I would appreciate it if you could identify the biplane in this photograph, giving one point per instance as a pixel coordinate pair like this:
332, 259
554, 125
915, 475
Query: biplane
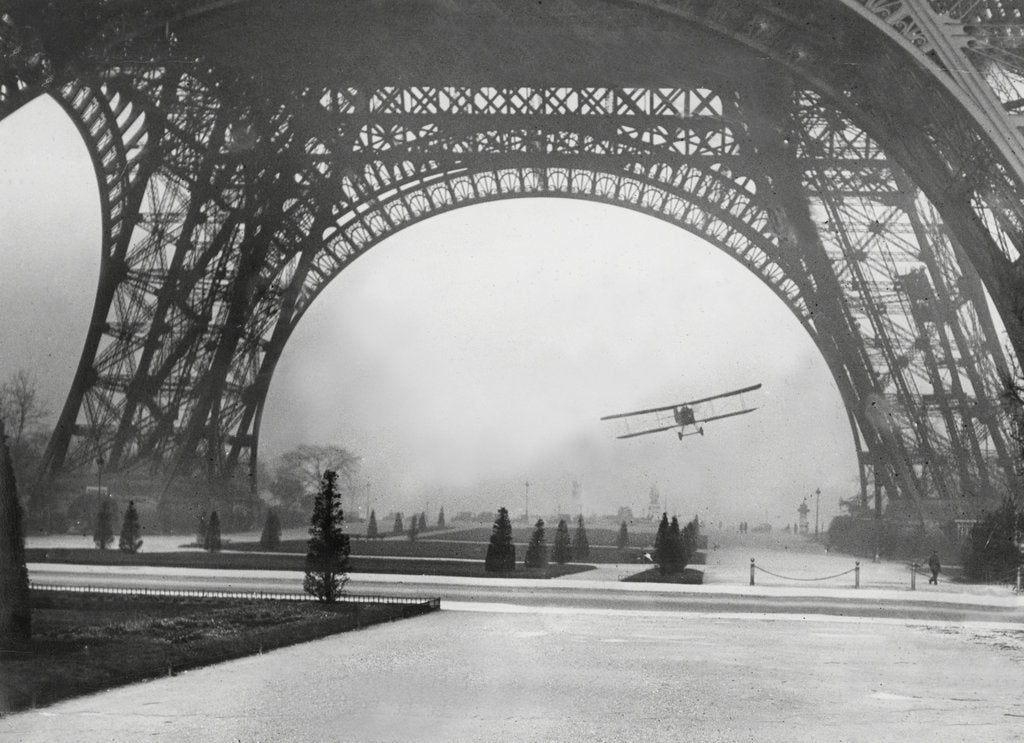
684, 415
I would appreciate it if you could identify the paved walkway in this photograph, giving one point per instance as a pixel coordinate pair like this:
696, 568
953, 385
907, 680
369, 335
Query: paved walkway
799, 560
524, 668
565, 675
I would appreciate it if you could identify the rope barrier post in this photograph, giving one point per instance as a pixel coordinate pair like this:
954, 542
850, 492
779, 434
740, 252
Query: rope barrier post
1018, 578
856, 574
751, 571
913, 576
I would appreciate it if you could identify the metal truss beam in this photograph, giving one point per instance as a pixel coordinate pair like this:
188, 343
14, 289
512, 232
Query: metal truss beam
229, 208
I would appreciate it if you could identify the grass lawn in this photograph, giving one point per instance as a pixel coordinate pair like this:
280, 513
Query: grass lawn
442, 549
597, 536
446, 550
83, 643
689, 576
242, 560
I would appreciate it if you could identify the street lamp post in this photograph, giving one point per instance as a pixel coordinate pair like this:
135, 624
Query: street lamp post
817, 497
99, 476
527, 501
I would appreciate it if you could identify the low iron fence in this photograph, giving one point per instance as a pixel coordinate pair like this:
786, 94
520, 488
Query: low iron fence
351, 598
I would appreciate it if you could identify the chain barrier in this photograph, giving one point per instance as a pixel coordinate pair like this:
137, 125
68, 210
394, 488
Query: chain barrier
855, 570
789, 577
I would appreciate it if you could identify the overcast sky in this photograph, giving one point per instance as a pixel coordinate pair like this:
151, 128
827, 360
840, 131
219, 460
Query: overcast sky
476, 351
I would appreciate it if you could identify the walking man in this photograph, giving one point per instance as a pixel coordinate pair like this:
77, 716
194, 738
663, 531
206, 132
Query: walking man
933, 563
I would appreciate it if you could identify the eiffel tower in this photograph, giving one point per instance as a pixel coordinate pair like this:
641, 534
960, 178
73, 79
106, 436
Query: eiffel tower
863, 158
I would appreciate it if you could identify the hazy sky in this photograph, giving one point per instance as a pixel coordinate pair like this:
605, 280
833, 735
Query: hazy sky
475, 352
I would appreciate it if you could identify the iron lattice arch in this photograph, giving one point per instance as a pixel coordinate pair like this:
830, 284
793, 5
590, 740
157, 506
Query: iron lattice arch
229, 206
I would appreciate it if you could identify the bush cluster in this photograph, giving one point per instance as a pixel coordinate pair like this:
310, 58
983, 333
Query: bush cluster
867, 536
674, 547
991, 552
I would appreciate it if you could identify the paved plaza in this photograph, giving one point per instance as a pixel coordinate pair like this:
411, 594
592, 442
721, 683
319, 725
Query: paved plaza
560, 675
527, 667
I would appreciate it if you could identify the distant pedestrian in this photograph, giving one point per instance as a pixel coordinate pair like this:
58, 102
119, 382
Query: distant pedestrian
933, 563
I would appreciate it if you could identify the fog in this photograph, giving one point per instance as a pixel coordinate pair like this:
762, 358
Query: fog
473, 353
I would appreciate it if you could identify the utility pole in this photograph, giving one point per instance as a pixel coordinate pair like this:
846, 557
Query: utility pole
817, 497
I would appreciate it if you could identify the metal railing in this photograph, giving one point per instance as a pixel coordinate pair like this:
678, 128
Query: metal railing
350, 598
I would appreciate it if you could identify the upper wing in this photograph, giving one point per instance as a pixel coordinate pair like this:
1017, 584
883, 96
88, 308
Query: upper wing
681, 404
751, 388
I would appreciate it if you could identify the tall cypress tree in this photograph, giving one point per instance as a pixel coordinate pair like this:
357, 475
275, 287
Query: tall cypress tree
501, 552
15, 599
440, 519
270, 539
422, 526
537, 550
562, 551
414, 528
328, 548
398, 528
103, 536
580, 543
371, 526
130, 530
622, 541
212, 541
659, 539
673, 558
689, 541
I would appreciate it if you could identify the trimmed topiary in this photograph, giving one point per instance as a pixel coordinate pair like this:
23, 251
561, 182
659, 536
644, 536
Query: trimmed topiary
130, 530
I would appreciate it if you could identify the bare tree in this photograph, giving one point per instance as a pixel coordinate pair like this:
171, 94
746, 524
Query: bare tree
20, 404
299, 471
